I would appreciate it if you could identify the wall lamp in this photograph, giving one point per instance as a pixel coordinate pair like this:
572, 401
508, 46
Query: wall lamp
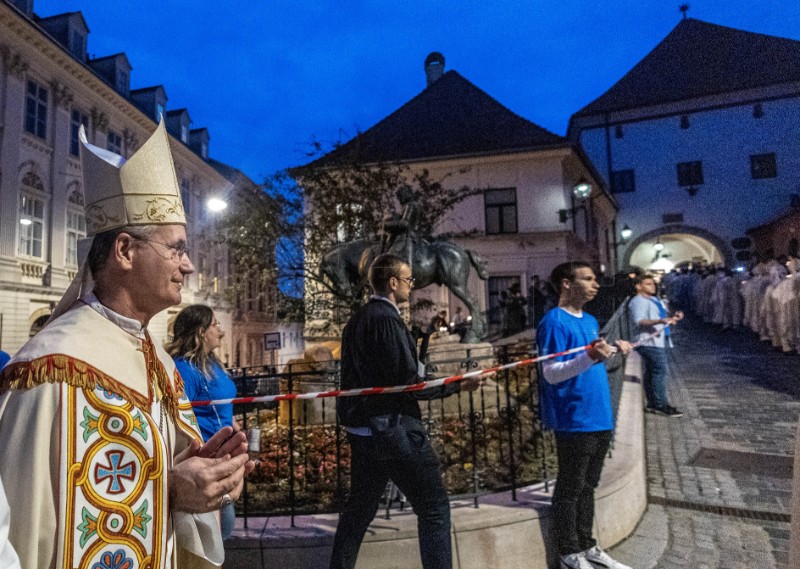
581, 191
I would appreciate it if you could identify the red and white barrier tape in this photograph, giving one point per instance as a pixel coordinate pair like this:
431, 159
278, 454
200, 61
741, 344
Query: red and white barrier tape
404, 388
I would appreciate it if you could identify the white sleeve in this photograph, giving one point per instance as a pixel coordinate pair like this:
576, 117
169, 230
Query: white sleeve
556, 372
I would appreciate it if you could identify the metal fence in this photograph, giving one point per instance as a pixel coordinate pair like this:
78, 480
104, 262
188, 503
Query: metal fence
489, 440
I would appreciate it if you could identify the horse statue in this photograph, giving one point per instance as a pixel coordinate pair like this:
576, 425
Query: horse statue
433, 262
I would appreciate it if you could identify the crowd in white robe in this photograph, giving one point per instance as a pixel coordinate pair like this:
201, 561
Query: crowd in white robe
766, 300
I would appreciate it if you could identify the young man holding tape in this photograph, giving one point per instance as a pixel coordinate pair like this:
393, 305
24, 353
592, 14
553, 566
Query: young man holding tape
387, 437
576, 404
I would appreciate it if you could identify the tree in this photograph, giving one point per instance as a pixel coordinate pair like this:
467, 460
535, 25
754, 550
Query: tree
278, 231
347, 198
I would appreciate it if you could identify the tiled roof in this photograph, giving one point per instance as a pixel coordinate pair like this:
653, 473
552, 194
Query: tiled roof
451, 117
698, 59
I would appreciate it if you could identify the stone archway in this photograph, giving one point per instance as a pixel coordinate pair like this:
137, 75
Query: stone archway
676, 231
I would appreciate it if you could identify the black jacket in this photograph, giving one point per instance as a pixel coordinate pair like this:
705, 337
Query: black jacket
379, 351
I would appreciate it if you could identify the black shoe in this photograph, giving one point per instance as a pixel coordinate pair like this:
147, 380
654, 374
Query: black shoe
665, 411
671, 411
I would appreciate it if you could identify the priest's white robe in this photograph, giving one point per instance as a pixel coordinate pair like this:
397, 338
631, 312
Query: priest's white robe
91, 417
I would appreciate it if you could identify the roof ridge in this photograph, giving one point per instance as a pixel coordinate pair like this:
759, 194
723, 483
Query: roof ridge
450, 117
698, 58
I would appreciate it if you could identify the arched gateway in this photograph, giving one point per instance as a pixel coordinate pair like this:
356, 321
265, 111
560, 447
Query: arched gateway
681, 244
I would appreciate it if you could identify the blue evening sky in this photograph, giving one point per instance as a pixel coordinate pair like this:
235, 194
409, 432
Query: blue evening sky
267, 77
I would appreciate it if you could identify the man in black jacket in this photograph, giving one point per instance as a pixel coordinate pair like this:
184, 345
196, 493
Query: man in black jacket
386, 435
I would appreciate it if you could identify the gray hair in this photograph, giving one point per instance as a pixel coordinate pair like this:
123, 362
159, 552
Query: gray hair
103, 242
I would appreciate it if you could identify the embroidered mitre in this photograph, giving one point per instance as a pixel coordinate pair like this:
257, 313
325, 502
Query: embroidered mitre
142, 190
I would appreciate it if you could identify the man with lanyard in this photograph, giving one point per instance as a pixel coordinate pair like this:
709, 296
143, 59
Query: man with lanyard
103, 463
576, 404
387, 438
648, 315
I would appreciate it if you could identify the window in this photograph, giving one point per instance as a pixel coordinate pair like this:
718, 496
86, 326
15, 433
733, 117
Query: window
184, 133
78, 119
76, 230
123, 81
758, 111
690, 173
763, 166
31, 225
618, 131
501, 211
622, 181
36, 109
684, 121
77, 44
159, 111
114, 142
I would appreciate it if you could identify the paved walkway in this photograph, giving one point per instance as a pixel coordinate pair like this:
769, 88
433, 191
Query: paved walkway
719, 478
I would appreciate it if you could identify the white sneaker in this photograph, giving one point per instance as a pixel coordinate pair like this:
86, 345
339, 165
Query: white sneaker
602, 560
575, 561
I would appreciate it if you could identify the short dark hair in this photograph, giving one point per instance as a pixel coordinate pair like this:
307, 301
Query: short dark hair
383, 268
566, 271
104, 241
639, 279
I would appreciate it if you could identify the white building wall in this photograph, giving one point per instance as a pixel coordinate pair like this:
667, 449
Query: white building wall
543, 182
32, 286
729, 201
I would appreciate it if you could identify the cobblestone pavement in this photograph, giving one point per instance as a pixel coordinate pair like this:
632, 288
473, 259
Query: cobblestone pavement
719, 477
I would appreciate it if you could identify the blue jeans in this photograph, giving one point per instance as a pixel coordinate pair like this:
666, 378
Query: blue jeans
580, 462
417, 477
227, 519
655, 375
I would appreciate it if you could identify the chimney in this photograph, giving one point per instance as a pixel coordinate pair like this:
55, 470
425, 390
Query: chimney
434, 67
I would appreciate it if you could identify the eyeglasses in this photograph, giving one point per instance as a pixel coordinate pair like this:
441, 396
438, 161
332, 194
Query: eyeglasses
177, 251
409, 280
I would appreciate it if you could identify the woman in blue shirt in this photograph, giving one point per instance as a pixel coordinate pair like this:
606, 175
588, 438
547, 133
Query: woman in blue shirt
196, 334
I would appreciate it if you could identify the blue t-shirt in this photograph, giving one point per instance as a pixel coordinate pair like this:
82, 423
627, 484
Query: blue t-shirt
581, 403
199, 388
4, 359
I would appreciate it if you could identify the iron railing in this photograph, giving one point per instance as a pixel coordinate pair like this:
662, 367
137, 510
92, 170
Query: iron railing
489, 440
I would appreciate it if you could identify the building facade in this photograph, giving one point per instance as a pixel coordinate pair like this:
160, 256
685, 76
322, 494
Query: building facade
49, 87
699, 142
524, 218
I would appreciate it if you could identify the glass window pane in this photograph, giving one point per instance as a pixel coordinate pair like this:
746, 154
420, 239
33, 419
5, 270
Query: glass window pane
505, 196
492, 220
510, 219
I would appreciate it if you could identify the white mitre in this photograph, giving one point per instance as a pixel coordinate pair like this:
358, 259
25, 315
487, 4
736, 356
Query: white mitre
142, 190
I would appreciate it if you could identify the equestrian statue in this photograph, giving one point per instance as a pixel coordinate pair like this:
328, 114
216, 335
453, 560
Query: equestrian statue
432, 261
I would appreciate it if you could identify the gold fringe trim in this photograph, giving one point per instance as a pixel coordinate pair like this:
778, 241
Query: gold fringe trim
59, 368
158, 376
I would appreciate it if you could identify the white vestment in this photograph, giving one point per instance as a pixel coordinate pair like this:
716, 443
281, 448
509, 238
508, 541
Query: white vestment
91, 417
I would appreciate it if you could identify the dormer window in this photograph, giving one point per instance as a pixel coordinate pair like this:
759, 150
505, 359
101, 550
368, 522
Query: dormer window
184, 133
159, 111
123, 82
77, 44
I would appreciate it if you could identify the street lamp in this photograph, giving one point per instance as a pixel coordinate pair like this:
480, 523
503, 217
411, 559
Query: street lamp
581, 191
216, 205
626, 233
658, 246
